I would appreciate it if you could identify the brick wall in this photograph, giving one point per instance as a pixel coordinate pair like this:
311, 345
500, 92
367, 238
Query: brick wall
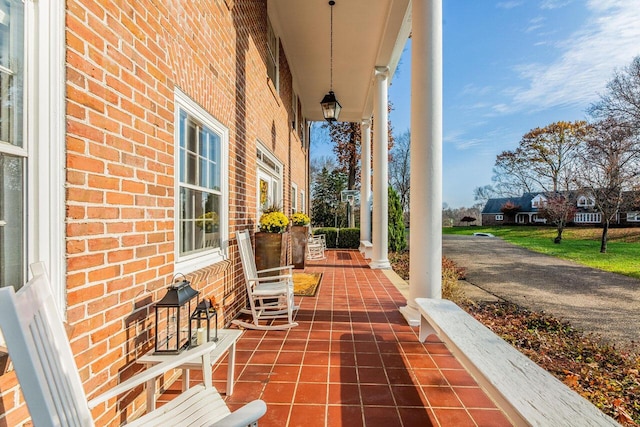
124, 60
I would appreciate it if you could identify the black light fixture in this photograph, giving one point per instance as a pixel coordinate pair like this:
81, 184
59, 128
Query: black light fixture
173, 323
330, 105
204, 312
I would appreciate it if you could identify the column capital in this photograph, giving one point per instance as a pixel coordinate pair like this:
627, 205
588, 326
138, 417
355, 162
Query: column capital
366, 122
382, 72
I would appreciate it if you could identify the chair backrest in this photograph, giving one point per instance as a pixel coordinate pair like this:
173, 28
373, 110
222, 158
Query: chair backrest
41, 354
247, 257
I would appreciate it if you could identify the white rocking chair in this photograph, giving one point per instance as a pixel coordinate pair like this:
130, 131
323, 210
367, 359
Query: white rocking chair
270, 297
51, 385
316, 246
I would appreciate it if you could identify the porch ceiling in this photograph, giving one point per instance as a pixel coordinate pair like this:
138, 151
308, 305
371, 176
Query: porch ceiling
366, 34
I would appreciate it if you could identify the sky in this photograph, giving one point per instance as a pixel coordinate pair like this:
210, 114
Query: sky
511, 66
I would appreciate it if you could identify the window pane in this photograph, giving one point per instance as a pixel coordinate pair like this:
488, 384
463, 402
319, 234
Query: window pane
199, 221
12, 221
11, 71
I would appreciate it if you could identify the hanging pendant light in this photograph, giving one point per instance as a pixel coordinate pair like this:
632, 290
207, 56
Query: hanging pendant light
330, 105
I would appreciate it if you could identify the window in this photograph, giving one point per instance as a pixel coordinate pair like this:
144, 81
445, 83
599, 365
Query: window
272, 56
303, 205
32, 139
13, 147
269, 185
499, 217
633, 216
588, 217
538, 202
294, 198
585, 202
294, 109
202, 194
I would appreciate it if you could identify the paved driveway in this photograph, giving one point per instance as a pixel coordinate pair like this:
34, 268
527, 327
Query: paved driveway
592, 300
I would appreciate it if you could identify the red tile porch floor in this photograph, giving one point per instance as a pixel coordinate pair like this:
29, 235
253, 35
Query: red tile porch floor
353, 361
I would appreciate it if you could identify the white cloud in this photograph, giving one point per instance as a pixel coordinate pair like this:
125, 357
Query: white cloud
554, 4
609, 39
509, 4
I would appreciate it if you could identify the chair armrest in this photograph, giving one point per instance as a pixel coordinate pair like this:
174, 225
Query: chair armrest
244, 416
267, 270
271, 278
155, 371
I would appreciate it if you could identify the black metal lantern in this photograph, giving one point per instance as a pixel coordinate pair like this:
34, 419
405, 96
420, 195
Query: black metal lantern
173, 323
330, 105
204, 312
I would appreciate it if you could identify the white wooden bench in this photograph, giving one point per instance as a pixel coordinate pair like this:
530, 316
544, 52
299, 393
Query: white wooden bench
366, 249
527, 394
51, 385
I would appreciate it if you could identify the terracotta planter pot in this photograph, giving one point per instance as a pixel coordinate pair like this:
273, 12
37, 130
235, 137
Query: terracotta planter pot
271, 250
299, 235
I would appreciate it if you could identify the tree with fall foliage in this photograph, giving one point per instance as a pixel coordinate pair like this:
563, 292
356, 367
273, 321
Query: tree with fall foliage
609, 165
559, 209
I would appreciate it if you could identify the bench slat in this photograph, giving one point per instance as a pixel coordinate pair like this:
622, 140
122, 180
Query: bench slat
522, 389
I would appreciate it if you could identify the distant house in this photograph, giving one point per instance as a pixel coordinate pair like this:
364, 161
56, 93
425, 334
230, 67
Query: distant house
523, 210
527, 208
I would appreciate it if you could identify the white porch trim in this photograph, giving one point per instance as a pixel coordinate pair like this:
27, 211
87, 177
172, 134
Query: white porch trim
365, 183
426, 156
380, 257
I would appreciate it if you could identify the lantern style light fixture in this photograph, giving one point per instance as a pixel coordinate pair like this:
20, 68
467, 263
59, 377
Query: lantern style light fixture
330, 105
173, 323
204, 312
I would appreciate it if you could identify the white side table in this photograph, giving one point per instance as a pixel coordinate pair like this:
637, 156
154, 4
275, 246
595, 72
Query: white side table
227, 339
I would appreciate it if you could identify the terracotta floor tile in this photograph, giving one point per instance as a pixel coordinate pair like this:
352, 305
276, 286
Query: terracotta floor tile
314, 374
422, 417
344, 394
382, 416
376, 395
453, 417
275, 392
315, 393
489, 418
409, 395
473, 397
352, 361
370, 375
441, 397
345, 416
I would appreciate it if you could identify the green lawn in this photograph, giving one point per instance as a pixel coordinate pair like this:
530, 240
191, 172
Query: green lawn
581, 245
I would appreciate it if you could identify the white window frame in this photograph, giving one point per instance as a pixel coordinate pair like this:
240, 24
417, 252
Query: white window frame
273, 44
44, 142
303, 206
271, 167
499, 217
539, 201
586, 202
588, 218
294, 198
633, 216
192, 262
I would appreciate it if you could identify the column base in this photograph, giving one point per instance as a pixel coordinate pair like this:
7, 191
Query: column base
382, 264
411, 315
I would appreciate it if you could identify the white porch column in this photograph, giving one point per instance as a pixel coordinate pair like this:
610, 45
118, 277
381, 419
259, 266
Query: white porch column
380, 257
365, 183
426, 156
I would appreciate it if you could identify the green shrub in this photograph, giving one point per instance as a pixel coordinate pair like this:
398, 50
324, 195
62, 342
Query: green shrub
331, 235
397, 234
349, 238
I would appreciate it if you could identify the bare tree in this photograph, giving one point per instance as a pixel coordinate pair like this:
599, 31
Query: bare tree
610, 164
511, 176
622, 98
482, 194
399, 168
559, 209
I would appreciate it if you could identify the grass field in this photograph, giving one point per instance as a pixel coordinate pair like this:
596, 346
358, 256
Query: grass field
581, 245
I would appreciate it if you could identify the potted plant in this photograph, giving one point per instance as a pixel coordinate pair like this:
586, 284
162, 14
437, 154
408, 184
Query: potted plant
272, 241
299, 235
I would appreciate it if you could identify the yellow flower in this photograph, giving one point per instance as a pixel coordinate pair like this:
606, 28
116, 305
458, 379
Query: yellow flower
273, 222
300, 218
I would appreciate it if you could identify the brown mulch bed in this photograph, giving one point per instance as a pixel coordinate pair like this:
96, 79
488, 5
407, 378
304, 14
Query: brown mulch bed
607, 376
